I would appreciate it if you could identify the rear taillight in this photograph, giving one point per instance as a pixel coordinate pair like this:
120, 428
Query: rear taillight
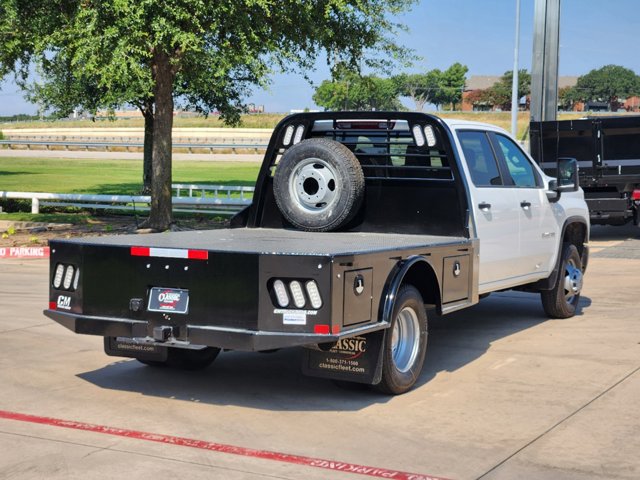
635, 195
314, 294
281, 293
298, 297
291, 293
66, 277
57, 277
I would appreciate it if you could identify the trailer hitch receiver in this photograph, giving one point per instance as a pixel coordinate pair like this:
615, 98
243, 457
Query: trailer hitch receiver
162, 334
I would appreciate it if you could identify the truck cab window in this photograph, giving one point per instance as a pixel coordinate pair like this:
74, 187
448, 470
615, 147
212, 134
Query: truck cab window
520, 168
480, 159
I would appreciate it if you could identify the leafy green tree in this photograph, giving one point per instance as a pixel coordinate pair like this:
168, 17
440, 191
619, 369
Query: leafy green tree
62, 88
207, 54
610, 83
355, 92
567, 98
500, 93
452, 82
422, 88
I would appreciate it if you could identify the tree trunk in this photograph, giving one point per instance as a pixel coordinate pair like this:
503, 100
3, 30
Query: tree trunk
147, 164
161, 216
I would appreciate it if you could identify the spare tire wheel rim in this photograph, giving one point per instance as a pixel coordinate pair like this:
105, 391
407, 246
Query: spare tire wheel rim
313, 185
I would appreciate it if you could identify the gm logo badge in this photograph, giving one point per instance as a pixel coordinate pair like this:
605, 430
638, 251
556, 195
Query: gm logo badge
64, 302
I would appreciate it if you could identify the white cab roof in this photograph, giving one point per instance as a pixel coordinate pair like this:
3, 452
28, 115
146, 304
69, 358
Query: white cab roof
456, 124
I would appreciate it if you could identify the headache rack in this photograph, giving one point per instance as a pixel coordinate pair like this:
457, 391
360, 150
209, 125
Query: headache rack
387, 145
413, 183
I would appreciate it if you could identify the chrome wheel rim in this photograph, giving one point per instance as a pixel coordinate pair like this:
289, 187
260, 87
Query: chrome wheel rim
572, 282
405, 339
313, 185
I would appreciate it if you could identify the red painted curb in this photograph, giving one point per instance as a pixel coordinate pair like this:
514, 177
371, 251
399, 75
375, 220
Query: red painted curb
221, 448
24, 252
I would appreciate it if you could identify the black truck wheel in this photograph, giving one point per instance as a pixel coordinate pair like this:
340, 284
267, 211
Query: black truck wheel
562, 300
405, 343
186, 359
318, 185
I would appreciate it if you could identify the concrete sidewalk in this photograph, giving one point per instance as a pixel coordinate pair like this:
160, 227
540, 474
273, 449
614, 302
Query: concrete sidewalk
505, 394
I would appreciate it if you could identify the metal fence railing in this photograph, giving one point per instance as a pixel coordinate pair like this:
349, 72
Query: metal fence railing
109, 145
213, 199
219, 191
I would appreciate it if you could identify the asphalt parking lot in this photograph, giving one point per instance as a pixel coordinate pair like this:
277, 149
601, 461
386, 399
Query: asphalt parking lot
505, 393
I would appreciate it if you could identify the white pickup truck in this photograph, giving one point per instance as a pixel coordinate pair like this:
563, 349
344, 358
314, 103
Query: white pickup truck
360, 223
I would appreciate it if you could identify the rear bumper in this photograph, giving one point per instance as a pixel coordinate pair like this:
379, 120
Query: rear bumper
609, 211
221, 337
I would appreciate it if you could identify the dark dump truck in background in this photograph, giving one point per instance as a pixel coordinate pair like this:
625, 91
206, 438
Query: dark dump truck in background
608, 154
359, 223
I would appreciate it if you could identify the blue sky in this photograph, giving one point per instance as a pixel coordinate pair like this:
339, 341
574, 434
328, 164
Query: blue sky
477, 33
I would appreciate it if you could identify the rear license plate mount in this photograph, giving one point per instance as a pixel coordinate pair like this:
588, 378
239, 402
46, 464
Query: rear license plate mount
168, 300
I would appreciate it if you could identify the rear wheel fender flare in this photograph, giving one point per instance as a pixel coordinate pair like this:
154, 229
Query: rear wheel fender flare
415, 268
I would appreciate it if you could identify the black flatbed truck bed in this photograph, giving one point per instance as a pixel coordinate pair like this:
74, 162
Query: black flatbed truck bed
228, 280
276, 241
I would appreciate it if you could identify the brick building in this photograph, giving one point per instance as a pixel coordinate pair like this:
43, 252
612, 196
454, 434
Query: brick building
472, 101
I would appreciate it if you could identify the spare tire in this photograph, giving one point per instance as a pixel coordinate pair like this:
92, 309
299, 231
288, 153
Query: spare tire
318, 185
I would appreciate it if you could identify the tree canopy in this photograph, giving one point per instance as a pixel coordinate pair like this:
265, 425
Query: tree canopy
351, 91
500, 93
422, 88
452, 85
205, 54
434, 86
610, 83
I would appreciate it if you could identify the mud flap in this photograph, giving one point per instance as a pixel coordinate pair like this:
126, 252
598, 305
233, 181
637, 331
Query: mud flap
126, 347
354, 359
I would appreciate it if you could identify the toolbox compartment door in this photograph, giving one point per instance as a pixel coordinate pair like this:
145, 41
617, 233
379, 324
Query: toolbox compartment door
455, 278
358, 295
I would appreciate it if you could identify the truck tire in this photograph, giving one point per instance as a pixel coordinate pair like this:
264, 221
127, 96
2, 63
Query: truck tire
562, 300
318, 185
405, 343
186, 359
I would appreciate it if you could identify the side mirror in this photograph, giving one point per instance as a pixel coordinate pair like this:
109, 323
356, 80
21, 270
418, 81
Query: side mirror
567, 175
566, 179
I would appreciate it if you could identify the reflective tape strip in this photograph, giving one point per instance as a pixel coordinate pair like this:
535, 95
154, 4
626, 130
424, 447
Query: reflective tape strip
140, 251
169, 253
198, 255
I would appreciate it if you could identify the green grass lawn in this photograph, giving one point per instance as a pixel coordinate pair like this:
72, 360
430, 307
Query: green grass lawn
111, 176
78, 218
266, 120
